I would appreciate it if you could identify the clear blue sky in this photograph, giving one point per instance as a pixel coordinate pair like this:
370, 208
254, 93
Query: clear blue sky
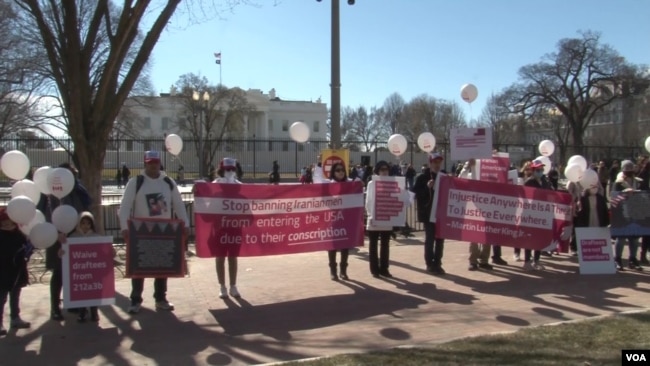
405, 46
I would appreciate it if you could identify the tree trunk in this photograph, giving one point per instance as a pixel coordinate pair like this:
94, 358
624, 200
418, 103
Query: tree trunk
90, 158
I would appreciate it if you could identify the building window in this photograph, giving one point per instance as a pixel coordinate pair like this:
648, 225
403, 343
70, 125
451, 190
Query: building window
270, 145
165, 123
285, 145
301, 147
285, 126
146, 123
270, 125
316, 126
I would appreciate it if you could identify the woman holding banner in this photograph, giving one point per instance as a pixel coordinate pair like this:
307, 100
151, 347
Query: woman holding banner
378, 263
536, 181
227, 167
524, 174
338, 174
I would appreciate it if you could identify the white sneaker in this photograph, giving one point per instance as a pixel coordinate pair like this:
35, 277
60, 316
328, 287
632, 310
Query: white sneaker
134, 308
538, 266
528, 266
234, 292
164, 305
517, 257
223, 292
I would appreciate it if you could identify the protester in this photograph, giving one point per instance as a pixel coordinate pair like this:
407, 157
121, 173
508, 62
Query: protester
410, 176
524, 174
85, 228
338, 174
136, 204
628, 182
14, 253
228, 175
378, 262
424, 194
644, 175
80, 200
536, 181
479, 253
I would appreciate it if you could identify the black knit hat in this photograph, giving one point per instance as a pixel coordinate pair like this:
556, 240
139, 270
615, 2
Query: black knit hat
380, 164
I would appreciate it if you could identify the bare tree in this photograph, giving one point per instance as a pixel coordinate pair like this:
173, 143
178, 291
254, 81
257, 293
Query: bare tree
578, 80
93, 78
393, 112
365, 127
19, 99
210, 115
498, 117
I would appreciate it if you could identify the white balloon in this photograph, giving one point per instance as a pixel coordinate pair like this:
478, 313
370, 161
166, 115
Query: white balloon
27, 188
40, 179
174, 144
60, 181
43, 235
547, 163
578, 159
65, 218
573, 172
469, 92
546, 148
426, 141
15, 164
21, 209
27, 228
589, 179
647, 143
397, 144
299, 132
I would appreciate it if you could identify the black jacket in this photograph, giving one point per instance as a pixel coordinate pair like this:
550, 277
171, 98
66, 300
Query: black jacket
13, 263
423, 194
582, 218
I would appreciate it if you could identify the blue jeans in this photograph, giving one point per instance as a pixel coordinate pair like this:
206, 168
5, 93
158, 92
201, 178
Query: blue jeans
433, 247
620, 244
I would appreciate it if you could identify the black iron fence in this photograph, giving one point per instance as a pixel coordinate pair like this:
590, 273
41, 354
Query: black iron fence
256, 156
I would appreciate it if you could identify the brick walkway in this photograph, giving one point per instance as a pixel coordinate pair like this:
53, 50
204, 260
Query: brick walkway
291, 310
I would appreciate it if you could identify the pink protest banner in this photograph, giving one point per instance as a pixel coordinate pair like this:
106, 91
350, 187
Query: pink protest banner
390, 200
501, 214
494, 169
88, 277
258, 220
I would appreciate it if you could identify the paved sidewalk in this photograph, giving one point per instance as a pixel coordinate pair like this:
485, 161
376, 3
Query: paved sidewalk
291, 310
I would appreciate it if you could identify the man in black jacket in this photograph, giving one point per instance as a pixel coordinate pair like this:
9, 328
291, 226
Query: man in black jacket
424, 191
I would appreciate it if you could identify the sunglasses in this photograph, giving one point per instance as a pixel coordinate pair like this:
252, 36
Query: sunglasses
339, 170
383, 169
229, 169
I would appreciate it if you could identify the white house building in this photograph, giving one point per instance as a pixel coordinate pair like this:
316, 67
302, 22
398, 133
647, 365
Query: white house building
270, 120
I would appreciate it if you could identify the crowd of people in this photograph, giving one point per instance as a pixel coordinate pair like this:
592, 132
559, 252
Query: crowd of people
590, 203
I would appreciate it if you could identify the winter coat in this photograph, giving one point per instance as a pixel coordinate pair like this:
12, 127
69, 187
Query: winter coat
13, 263
582, 218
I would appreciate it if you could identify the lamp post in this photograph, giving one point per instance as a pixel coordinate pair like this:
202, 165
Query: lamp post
335, 84
204, 99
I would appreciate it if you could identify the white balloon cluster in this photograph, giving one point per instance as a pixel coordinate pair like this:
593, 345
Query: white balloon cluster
576, 171
25, 194
546, 148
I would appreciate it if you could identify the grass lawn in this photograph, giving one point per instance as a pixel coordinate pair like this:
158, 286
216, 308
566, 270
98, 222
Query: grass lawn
592, 342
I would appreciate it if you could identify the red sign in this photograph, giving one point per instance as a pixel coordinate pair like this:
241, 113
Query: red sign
499, 214
494, 169
256, 220
88, 277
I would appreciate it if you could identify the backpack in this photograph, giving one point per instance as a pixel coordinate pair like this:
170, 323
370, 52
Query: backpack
140, 180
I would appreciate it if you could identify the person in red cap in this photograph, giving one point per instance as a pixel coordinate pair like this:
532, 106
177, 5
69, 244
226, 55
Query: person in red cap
151, 195
227, 174
424, 192
13, 270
